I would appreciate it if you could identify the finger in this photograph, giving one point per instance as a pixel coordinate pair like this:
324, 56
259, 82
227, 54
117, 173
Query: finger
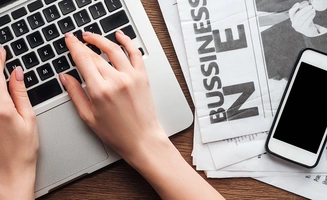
294, 9
19, 95
115, 54
134, 53
5, 97
105, 69
310, 16
298, 8
3, 84
307, 15
304, 4
83, 60
78, 96
303, 11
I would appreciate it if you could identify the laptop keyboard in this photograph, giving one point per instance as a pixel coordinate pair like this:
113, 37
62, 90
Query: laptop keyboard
33, 37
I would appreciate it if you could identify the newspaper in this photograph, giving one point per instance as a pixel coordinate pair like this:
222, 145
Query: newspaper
312, 186
235, 149
240, 54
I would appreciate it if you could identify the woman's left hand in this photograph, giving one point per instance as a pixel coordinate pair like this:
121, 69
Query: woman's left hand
18, 137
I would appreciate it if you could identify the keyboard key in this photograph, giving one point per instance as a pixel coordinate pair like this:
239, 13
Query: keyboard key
113, 5
82, 18
66, 25
129, 31
50, 32
60, 46
94, 48
71, 59
142, 51
74, 73
30, 60
35, 5
97, 10
46, 53
93, 28
79, 35
4, 20
5, 73
19, 46
49, 1
8, 53
20, 28
112, 38
61, 64
30, 79
51, 13
5, 35
114, 21
45, 71
35, 39
82, 3
13, 65
66, 6
44, 92
35, 20
19, 13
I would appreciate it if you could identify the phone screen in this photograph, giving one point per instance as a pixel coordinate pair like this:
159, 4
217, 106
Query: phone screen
303, 121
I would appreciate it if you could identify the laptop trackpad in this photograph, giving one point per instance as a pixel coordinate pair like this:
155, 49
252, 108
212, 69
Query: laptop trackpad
67, 146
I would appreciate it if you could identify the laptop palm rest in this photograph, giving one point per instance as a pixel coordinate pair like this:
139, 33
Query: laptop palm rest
67, 146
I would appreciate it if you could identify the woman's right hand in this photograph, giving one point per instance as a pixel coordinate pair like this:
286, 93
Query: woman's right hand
301, 16
118, 105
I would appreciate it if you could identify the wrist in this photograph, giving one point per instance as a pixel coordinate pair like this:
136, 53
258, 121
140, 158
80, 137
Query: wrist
152, 150
18, 185
162, 165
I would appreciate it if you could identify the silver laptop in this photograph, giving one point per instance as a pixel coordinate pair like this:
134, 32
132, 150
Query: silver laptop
32, 33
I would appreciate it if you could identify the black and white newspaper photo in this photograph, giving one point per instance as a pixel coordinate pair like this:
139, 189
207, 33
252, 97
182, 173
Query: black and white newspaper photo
240, 55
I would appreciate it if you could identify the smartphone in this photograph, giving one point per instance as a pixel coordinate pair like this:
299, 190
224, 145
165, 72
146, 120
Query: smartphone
298, 132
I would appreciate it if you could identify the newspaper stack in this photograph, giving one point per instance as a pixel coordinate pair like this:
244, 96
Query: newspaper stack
228, 52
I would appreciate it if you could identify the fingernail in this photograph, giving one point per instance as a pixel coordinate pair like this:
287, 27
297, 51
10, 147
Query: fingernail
69, 34
87, 33
19, 74
62, 79
120, 32
1, 48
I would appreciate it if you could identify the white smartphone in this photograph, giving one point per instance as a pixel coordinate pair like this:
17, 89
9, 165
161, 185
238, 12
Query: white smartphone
298, 132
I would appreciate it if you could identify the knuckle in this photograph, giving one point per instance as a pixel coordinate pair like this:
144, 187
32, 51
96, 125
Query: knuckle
124, 84
31, 116
20, 92
101, 93
84, 116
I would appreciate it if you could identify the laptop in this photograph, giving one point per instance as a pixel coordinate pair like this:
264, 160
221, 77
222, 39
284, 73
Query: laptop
32, 32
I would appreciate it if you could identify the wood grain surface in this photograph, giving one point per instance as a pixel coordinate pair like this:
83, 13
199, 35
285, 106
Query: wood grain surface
120, 181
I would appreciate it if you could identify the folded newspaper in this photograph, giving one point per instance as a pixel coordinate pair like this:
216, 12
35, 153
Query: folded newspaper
240, 54
236, 61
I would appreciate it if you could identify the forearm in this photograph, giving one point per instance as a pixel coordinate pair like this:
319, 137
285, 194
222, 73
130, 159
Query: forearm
17, 186
170, 175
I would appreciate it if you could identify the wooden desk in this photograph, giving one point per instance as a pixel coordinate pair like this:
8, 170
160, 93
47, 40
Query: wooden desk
120, 181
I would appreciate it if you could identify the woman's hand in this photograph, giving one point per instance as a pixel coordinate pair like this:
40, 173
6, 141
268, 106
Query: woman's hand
301, 16
120, 110
118, 105
18, 137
